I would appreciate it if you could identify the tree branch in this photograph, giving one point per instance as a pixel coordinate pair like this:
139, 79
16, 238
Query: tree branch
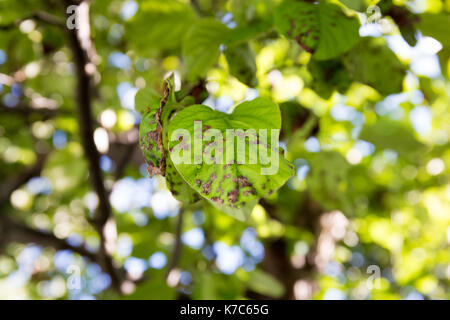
24, 110
196, 7
40, 16
48, 18
12, 231
15, 232
82, 49
16, 181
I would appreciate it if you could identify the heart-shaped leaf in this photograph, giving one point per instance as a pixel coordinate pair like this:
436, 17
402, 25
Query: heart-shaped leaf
230, 159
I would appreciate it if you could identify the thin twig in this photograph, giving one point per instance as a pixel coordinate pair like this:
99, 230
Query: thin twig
16, 232
177, 246
40, 16
45, 113
196, 7
48, 18
16, 181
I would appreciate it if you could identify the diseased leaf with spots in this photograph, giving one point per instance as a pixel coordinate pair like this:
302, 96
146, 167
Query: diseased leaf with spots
242, 213
151, 135
177, 186
298, 20
321, 28
153, 139
233, 183
150, 140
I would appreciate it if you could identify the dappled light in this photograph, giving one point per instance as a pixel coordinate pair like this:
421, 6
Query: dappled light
94, 204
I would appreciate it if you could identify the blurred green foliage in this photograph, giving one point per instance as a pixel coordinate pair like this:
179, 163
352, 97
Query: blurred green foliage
365, 122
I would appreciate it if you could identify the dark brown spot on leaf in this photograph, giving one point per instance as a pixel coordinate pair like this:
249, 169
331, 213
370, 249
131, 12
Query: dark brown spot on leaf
217, 200
233, 196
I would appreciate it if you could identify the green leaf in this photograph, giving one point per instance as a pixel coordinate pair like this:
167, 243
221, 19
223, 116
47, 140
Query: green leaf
389, 134
242, 213
372, 62
245, 33
150, 140
201, 46
146, 97
328, 76
151, 128
409, 34
357, 5
206, 287
153, 138
436, 26
160, 24
263, 283
247, 11
12, 10
157, 289
296, 117
210, 165
213, 286
321, 28
178, 187
241, 61
338, 31
19, 49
